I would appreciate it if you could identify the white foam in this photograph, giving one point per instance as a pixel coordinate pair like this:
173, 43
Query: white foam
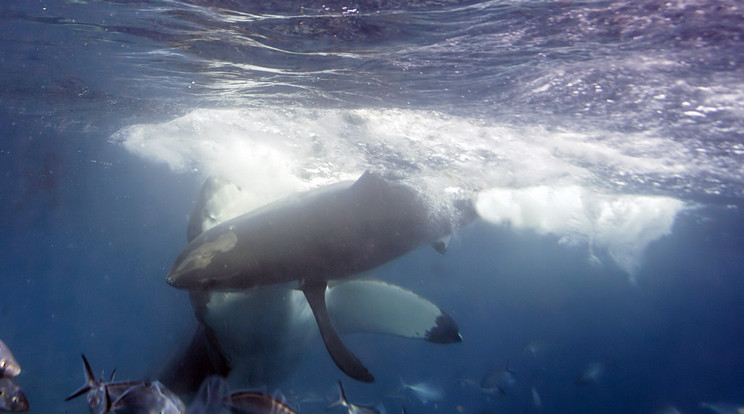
252, 151
621, 224
528, 176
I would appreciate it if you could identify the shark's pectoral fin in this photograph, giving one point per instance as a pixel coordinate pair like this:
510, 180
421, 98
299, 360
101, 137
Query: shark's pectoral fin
374, 306
341, 355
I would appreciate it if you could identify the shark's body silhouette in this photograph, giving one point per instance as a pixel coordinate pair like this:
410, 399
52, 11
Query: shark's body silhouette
242, 273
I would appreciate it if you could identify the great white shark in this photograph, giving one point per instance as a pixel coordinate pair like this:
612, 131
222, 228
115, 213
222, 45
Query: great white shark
257, 279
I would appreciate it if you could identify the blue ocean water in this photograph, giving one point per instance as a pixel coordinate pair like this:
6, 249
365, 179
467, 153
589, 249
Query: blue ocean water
603, 141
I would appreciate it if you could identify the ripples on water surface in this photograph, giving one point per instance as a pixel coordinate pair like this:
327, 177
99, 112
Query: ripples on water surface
665, 76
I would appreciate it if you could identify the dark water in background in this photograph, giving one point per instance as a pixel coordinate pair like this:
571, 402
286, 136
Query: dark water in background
112, 113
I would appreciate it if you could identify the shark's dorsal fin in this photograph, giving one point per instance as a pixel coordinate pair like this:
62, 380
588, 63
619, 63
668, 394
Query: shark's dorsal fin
368, 182
341, 355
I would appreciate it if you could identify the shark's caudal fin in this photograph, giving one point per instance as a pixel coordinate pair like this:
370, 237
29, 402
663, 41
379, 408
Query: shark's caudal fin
341, 355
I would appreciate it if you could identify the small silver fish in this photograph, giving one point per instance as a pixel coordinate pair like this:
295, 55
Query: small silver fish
536, 348
126, 396
350, 408
425, 392
213, 392
591, 374
12, 398
668, 409
305, 398
724, 408
497, 379
214, 397
99, 394
536, 401
250, 402
8, 365
467, 382
147, 398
